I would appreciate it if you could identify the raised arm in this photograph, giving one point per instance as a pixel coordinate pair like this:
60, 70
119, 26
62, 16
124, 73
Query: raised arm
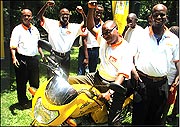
90, 16
42, 10
81, 11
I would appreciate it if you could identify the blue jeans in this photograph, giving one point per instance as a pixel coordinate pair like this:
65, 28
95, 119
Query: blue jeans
93, 55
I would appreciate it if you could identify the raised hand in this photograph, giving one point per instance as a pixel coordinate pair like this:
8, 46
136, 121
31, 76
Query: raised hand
79, 9
92, 4
50, 3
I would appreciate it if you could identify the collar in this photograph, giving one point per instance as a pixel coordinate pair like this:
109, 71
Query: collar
116, 44
25, 27
99, 24
166, 32
60, 25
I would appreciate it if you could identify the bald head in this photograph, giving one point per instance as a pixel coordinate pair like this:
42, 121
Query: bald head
132, 15
159, 7
132, 20
26, 11
109, 23
64, 10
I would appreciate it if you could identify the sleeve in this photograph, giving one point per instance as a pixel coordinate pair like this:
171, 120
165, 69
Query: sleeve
14, 40
126, 63
47, 23
176, 51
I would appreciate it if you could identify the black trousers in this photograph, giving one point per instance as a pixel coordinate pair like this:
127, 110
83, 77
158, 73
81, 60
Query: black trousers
27, 71
150, 109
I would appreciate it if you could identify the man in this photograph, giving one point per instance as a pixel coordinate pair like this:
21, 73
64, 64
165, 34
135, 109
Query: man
24, 49
61, 33
83, 55
132, 33
92, 45
132, 36
155, 52
115, 66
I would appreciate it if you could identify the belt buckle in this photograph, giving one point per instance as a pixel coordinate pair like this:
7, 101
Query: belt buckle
62, 54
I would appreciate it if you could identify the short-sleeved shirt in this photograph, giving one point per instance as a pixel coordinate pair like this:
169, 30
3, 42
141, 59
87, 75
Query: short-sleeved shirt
115, 59
155, 59
132, 35
91, 39
24, 40
61, 38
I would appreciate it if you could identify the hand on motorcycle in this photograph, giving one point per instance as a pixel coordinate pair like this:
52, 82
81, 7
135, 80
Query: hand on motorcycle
107, 95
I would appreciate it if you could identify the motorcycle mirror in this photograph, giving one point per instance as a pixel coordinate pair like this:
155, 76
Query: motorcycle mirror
45, 45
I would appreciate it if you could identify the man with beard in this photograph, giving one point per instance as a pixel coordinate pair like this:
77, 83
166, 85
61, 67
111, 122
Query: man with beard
61, 34
155, 51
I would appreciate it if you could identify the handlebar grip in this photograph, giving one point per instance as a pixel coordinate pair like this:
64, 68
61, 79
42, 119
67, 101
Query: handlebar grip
52, 61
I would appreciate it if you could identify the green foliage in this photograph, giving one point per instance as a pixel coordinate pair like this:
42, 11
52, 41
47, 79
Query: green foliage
146, 7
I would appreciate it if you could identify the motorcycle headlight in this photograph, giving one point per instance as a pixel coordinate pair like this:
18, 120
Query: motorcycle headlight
43, 115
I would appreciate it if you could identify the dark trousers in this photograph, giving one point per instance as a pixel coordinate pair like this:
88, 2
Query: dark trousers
81, 66
150, 109
27, 71
63, 61
93, 57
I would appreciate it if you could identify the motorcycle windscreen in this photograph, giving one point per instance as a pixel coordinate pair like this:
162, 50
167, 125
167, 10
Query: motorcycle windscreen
59, 91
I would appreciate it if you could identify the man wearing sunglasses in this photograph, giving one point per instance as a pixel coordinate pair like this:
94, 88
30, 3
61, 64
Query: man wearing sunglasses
115, 67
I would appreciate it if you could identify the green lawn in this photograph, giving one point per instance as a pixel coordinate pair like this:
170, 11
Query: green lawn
11, 115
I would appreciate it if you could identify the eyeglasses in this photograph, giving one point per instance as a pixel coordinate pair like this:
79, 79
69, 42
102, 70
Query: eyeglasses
108, 32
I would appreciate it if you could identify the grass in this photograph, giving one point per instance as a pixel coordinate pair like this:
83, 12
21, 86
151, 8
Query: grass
11, 115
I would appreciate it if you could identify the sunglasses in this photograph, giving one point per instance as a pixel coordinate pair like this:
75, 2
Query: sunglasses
108, 32
155, 15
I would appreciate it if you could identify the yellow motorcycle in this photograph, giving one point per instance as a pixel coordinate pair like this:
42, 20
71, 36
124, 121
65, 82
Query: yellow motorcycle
57, 103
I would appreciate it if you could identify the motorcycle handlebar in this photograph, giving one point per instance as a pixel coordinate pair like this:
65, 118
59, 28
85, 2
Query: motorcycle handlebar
52, 62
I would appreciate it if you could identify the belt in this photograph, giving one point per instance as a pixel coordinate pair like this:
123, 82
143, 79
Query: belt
24, 56
101, 78
93, 48
61, 54
152, 78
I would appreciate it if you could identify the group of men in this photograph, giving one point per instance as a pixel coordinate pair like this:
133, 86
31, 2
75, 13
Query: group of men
144, 57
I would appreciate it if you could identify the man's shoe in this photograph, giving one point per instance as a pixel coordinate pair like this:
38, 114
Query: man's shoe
26, 105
